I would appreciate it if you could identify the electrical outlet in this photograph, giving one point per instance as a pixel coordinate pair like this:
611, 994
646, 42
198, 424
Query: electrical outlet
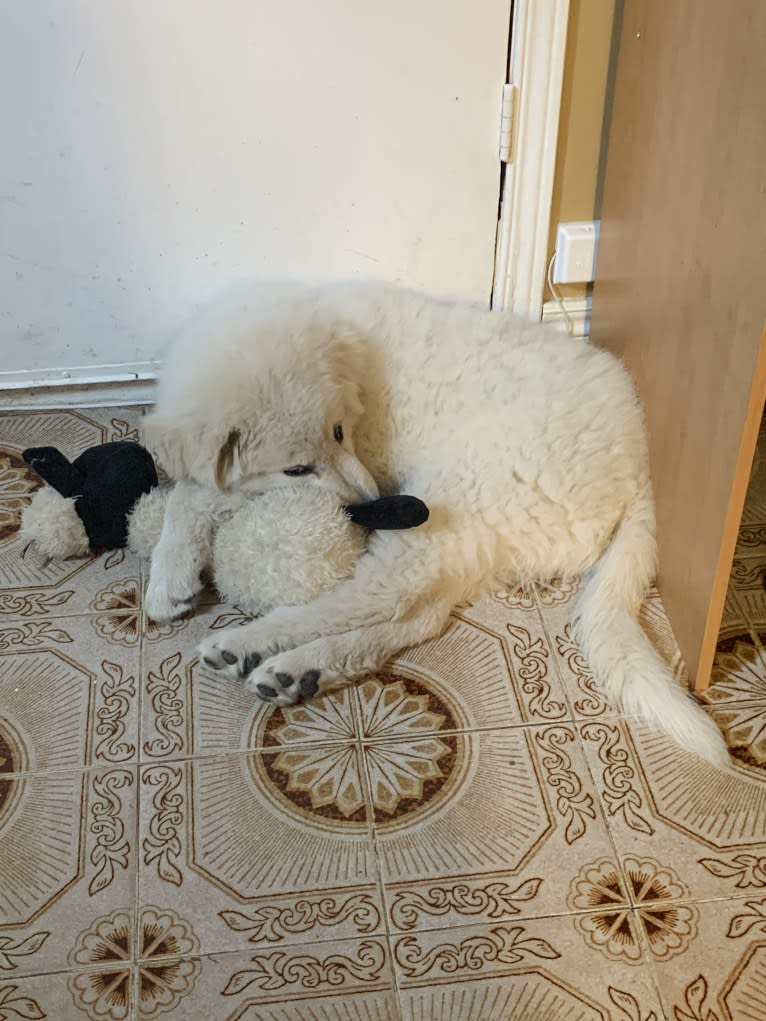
576, 245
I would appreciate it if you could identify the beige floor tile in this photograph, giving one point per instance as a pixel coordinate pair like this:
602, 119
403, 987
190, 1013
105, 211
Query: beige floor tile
50, 996
737, 699
31, 590
348, 981
122, 968
68, 691
506, 622
744, 724
67, 855
489, 839
751, 537
535, 970
749, 563
747, 582
188, 709
721, 973
735, 628
585, 699
249, 857
558, 606
704, 830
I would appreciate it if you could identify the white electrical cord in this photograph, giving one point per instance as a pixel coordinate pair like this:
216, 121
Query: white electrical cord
557, 297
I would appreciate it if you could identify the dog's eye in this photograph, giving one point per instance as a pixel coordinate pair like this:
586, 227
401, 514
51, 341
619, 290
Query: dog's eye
338, 432
300, 469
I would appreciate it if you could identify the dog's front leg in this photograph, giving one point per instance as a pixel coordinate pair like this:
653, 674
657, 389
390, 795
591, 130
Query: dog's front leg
239, 650
401, 593
183, 551
330, 662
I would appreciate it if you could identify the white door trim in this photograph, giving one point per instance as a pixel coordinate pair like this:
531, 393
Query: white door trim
578, 311
538, 48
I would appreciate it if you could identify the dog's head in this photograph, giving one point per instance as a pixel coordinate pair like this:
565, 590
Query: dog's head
256, 430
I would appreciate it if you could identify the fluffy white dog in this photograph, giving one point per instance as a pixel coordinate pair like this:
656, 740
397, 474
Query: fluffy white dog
528, 447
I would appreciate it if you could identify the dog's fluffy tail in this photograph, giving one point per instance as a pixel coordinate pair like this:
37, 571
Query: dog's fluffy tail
623, 661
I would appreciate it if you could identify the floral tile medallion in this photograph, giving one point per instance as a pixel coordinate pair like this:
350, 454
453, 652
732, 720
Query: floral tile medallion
646, 899
145, 967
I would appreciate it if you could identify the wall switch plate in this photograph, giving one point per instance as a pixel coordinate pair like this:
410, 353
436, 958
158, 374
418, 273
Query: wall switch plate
576, 245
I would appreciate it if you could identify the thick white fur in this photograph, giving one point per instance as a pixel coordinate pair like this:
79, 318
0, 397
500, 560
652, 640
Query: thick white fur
528, 447
279, 548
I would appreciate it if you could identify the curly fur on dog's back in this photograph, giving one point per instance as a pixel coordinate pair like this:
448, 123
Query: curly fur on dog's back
528, 446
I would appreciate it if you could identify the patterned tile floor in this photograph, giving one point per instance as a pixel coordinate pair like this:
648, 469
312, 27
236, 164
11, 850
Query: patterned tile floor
471, 836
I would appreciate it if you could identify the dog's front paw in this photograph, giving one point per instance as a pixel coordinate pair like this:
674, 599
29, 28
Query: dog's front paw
289, 678
237, 652
278, 688
168, 599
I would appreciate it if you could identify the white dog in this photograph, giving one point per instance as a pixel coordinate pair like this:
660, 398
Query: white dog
528, 447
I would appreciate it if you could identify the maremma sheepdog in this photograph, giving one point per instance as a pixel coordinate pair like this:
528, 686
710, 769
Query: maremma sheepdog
529, 448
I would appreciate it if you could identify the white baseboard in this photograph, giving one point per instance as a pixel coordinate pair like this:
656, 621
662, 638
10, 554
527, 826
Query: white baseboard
95, 386
578, 310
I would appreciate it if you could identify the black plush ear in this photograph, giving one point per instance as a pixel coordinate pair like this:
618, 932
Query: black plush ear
389, 512
51, 465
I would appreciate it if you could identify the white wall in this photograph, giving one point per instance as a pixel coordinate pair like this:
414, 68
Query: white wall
155, 150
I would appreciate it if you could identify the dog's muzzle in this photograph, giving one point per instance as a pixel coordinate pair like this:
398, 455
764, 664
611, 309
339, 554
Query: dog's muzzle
355, 480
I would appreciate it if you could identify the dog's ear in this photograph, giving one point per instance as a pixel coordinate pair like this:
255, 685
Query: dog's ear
348, 366
189, 449
167, 441
228, 460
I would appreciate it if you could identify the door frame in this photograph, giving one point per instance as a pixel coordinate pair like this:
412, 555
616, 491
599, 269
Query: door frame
536, 68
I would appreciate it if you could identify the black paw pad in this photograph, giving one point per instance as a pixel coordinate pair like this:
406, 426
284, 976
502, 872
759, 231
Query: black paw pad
228, 657
211, 663
266, 691
249, 663
309, 683
286, 680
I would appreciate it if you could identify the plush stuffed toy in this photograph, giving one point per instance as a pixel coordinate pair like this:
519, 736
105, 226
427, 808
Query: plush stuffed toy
278, 548
93, 496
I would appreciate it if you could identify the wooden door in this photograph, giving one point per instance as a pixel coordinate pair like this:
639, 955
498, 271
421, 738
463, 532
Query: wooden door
681, 279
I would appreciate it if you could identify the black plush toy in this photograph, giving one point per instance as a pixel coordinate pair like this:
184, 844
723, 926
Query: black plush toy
105, 483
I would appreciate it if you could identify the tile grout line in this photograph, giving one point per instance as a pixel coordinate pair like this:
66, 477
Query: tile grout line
389, 935
649, 962
356, 711
135, 978
135, 990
